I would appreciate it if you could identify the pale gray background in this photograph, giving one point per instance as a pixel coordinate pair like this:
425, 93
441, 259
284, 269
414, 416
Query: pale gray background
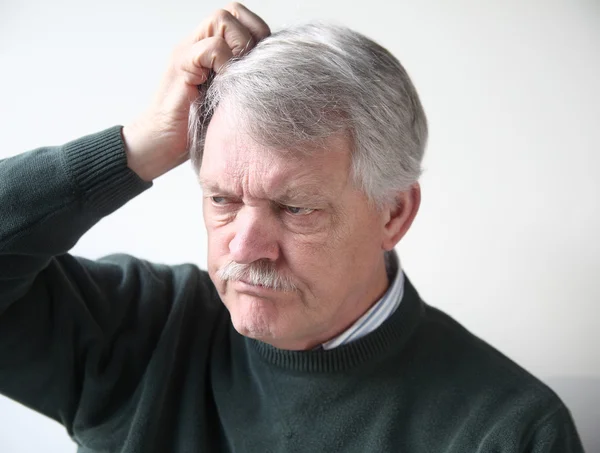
507, 237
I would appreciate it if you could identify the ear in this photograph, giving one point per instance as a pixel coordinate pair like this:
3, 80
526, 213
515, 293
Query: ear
399, 217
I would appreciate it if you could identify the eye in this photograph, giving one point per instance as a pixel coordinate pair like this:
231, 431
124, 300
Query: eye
296, 211
220, 201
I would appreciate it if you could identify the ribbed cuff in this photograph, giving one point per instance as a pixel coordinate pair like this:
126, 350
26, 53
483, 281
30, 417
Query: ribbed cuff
97, 165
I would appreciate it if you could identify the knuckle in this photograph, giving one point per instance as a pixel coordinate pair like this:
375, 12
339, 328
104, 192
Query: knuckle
219, 50
222, 15
219, 44
214, 58
242, 47
215, 61
264, 30
196, 60
234, 6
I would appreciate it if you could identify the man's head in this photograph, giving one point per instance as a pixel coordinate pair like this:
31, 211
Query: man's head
309, 151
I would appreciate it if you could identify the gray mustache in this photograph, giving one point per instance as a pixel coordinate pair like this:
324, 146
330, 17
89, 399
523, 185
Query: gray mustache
261, 273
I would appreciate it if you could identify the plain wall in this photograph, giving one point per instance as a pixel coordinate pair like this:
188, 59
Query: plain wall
507, 237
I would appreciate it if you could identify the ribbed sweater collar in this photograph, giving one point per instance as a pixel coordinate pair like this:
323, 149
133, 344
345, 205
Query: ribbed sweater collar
392, 334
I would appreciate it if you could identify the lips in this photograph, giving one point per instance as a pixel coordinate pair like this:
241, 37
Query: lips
250, 288
249, 283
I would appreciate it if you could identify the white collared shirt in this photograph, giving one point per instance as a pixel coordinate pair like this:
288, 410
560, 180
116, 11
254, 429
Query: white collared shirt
379, 312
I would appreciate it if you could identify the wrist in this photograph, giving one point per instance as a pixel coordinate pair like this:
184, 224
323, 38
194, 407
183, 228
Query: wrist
143, 152
134, 152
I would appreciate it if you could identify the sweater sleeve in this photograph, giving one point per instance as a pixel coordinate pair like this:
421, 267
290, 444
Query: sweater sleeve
66, 322
555, 434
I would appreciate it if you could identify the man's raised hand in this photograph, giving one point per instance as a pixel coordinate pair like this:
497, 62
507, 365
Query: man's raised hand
157, 141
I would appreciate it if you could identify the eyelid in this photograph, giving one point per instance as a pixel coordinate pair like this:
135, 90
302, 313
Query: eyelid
309, 210
226, 200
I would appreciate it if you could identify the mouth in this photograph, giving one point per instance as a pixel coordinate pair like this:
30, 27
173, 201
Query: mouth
244, 286
250, 283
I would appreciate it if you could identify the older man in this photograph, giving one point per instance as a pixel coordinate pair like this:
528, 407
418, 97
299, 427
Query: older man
304, 335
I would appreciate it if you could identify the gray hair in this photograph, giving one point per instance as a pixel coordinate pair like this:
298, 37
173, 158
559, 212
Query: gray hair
306, 83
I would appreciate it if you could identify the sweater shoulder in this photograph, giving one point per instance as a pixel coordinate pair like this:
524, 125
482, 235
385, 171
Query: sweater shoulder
493, 402
185, 279
472, 363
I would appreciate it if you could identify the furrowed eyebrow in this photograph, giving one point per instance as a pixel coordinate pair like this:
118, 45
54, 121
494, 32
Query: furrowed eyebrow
297, 196
211, 186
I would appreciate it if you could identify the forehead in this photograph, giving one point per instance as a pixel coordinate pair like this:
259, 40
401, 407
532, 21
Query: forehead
234, 160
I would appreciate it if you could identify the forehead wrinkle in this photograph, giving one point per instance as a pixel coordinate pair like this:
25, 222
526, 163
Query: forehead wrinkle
215, 184
303, 193
272, 183
248, 170
292, 184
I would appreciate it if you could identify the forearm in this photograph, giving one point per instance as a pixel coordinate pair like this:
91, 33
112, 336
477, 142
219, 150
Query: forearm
50, 197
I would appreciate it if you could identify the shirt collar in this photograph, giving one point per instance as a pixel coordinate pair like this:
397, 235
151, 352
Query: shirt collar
380, 311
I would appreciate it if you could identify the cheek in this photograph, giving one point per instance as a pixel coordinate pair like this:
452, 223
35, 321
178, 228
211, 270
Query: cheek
340, 259
310, 260
217, 248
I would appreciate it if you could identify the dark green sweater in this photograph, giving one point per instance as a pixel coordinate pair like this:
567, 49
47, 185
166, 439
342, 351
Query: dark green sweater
137, 357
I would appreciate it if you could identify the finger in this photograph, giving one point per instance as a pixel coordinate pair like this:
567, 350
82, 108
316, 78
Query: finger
257, 27
223, 24
210, 53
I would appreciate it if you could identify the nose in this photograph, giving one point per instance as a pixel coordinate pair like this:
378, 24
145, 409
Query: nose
255, 237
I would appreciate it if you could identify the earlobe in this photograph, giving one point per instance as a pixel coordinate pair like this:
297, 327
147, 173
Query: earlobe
401, 215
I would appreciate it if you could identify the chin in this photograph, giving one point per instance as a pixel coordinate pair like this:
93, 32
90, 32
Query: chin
253, 317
